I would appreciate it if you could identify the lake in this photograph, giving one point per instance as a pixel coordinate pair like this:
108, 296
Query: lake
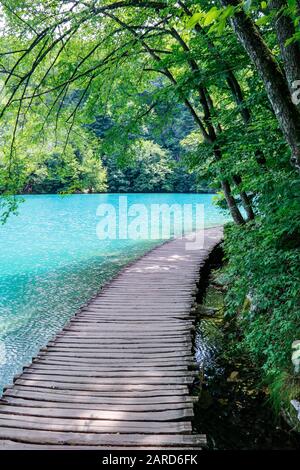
52, 261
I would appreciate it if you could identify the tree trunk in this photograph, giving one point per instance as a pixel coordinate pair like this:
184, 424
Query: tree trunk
290, 54
244, 198
231, 203
274, 80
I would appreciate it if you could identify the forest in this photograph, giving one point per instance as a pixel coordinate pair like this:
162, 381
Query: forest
171, 96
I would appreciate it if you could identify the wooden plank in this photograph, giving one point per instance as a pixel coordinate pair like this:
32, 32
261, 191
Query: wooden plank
98, 414
104, 363
10, 445
91, 345
147, 296
103, 353
121, 319
137, 330
99, 333
74, 365
138, 322
134, 407
146, 389
119, 350
99, 336
165, 299
125, 339
82, 425
115, 355
123, 345
112, 362
126, 352
136, 309
120, 346
67, 438
65, 370
155, 306
71, 397
125, 316
121, 361
133, 394
87, 378
135, 348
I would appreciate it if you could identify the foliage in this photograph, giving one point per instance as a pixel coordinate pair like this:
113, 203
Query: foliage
47, 165
150, 169
165, 130
263, 266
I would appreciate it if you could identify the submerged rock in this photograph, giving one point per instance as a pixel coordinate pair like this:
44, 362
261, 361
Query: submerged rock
234, 377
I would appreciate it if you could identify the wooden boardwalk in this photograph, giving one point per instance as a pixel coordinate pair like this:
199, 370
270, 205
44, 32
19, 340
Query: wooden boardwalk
117, 376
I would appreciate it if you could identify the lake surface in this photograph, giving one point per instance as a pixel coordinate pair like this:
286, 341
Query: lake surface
52, 261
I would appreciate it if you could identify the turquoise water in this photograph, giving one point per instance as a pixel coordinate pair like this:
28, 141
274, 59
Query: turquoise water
51, 262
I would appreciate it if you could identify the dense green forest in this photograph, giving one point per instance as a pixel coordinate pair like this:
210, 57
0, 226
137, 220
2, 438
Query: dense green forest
158, 162
168, 95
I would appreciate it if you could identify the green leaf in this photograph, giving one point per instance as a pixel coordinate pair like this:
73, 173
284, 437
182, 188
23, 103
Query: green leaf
292, 39
264, 5
262, 21
221, 26
194, 20
229, 11
292, 4
211, 16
